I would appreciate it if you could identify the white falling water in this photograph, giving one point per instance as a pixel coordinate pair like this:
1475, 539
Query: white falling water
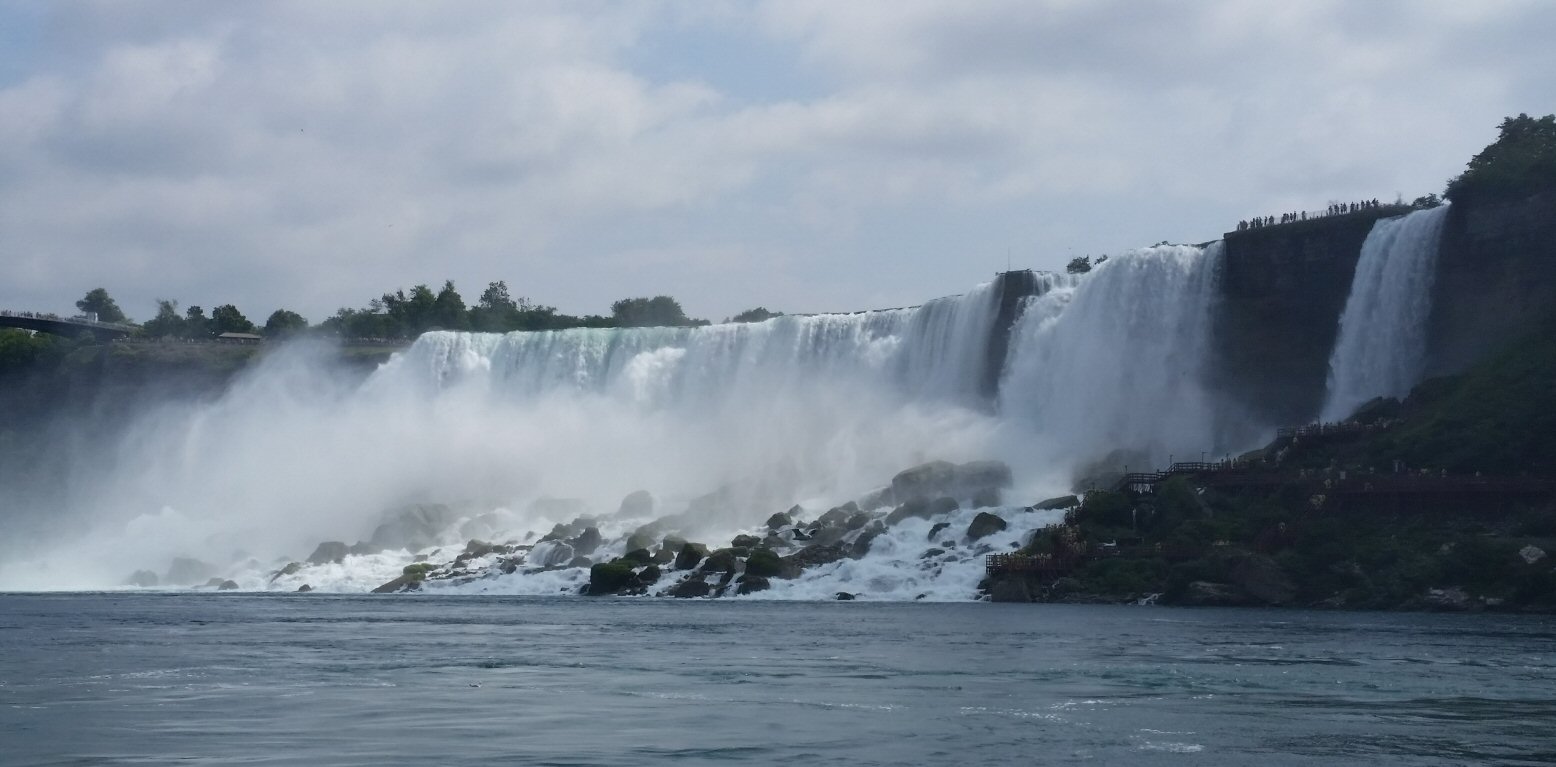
1381, 346
1117, 360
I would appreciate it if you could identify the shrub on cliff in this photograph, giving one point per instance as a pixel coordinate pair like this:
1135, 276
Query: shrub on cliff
1521, 161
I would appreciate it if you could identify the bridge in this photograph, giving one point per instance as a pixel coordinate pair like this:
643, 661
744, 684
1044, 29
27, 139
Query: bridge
69, 327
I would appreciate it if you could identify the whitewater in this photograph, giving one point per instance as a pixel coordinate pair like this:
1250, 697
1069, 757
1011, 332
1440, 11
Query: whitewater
722, 426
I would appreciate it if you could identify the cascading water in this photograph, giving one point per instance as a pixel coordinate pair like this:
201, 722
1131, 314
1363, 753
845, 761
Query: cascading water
1116, 360
1381, 346
500, 437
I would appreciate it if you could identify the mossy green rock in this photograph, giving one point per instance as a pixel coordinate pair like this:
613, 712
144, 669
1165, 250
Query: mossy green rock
610, 577
764, 562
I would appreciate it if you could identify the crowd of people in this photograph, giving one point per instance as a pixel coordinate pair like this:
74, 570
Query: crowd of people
1335, 209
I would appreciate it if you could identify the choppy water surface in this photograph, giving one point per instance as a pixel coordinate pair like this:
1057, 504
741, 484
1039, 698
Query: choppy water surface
311, 679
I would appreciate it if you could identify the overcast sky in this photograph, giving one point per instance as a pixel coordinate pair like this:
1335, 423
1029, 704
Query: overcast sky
803, 156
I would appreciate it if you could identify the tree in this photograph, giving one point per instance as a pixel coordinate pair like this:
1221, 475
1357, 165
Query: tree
759, 314
649, 312
284, 323
448, 309
98, 302
1079, 265
499, 312
167, 322
1522, 160
227, 319
195, 323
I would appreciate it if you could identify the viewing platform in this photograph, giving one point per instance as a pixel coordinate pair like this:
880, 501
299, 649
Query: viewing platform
69, 327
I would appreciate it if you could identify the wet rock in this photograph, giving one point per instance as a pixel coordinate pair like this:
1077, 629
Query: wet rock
861, 545
290, 569
1531, 554
745, 542
587, 541
810, 556
642, 539
609, 578
843, 596
781, 519
931, 553
214, 582
672, 543
328, 553
649, 576
836, 517
186, 571
579, 562
638, 557
693, 586
227, 586
552, 553
664, 556
407, 582
985, 524
410, 527
935, 530
689, 555
858, 520
764, 563
636, 504
1055, 504
143, 578
941, 478
921, 509
750, 584
303, 589
723, 560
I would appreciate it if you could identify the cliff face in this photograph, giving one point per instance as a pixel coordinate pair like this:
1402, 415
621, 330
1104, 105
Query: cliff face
1282, 291
1496, 278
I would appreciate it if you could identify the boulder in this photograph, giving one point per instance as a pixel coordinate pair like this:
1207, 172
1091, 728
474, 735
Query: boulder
722, 560
764, 563
143, 578
985, 524
836, 517
587, 541
692, 586
861, 545
935, 529
609, 578
303, 589
745, 542
552, 553
402, 583
858, 520
921, 509
780, 520
636, 504
410, 527
642, 539
638, 557
750, 584
810, 556
940, 478
672, 543
664, 556
689, 555
227, 586
290, 569
843, 596
328, 552
649, 576
1055, 504
185, 571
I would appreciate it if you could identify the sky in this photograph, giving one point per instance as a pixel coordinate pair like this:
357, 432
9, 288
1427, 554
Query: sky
805, 155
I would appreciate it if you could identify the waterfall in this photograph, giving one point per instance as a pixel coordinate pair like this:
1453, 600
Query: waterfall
1381, 346
1116, 360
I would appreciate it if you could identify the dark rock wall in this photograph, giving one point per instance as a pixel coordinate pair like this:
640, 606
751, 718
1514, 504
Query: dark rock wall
1282, 291
1011, 290
1496, 278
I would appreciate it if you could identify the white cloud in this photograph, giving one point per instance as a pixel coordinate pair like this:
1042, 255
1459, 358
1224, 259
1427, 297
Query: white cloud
313, 155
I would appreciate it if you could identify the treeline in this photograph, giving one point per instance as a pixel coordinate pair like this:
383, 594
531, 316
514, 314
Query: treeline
406, 314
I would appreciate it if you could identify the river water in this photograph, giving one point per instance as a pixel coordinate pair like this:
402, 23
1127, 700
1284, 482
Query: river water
227, 679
